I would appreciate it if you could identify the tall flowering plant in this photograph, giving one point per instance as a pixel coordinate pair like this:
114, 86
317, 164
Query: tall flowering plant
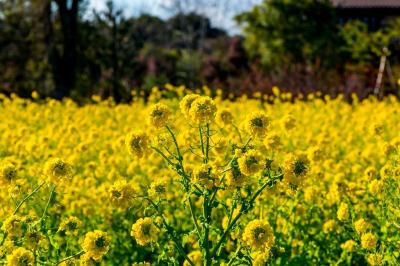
220, 188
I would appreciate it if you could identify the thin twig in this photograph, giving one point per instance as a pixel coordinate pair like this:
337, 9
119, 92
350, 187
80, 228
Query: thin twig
163, 155
169, 229
194, 218
242, 211
235, 255
48, 202
27, 197
70, 257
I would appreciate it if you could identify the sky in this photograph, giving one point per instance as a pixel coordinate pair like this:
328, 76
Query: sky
221, 12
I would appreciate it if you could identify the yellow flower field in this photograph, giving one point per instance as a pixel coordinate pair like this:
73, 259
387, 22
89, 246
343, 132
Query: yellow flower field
198, 180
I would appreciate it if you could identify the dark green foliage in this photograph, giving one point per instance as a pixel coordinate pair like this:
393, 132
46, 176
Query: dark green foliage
61, 48
292, 31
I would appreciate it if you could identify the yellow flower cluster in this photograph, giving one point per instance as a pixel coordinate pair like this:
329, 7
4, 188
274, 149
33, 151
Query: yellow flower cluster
251, 162
202, 110
159, 115
257, 124
200, 180
144, 231
258, 234
122, 194
7, 172
343, 212
203, 175
296, 168
57, 170
70, 226
137, 143
96, 244
21, 257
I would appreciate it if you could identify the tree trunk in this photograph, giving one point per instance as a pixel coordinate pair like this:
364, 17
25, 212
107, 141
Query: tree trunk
53, 55
115, 78
63, 63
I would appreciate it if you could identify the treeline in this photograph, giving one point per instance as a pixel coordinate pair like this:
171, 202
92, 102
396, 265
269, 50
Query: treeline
60, 48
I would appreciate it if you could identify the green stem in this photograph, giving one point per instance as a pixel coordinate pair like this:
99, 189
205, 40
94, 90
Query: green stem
194, 218
341, 259
178, 151
206, 231
247, 143
213, 195
163, 155
201, 140
226, 170
169, 152
217, 249
70, 257
20, 205
207, 142
170, 232
235, 255
231, 214
27, 197
175, 141
48, 202
243, 210
4, 239
238, 132
180, 160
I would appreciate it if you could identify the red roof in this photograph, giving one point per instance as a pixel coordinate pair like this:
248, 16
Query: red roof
366, 3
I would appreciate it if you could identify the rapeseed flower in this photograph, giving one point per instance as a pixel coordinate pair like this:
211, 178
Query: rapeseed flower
257, 124
138, 144
96, 244
251, 162
144, 231
21, 257
159, 115
57, 171
258, 234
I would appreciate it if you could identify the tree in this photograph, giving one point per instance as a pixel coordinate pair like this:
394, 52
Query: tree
22, 50
291, 31
112, 19
62, 57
